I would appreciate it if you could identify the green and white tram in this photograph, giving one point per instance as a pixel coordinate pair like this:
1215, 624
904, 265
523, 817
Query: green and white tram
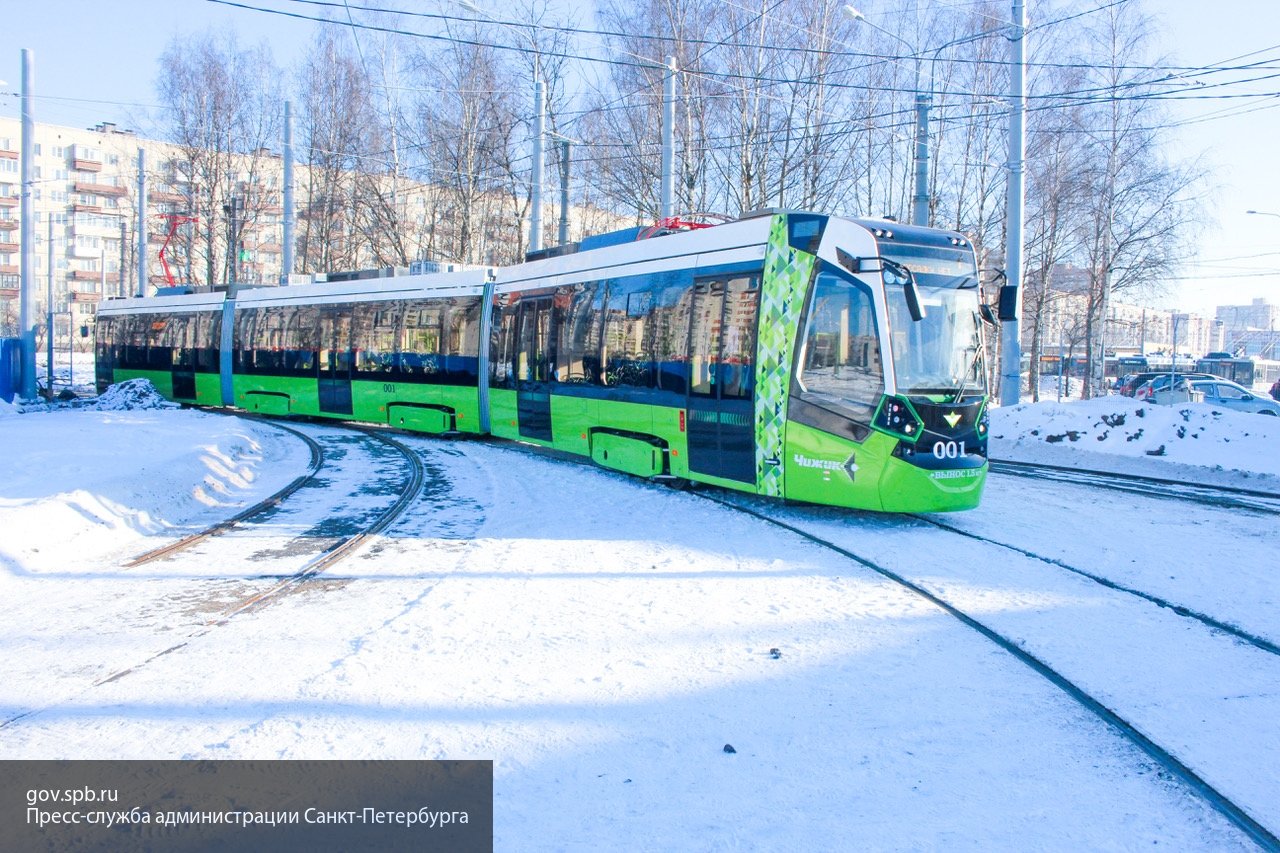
789, 354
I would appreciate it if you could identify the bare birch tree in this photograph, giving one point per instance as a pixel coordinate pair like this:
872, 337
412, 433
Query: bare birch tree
223, 110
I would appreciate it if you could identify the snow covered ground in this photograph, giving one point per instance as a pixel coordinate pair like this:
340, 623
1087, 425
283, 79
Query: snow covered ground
605, 641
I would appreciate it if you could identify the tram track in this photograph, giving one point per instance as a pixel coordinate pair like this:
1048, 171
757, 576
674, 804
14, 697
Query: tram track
261, 507
343, 547
1125, 728
1182, 610
1222, 497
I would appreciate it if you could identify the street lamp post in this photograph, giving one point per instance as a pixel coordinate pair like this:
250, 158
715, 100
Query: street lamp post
1173, 361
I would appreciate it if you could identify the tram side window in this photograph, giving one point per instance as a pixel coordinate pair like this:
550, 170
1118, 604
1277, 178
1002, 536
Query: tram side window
105, 331
420, 342
374, 335
302, 340
208, 328
738, 340
160, 348
722, 340
578, 335
270, 342
462, 367
179, 334
626, 359
105, 351
669, 327
243, 322
502, 350
708, 308
841, 365
536, 354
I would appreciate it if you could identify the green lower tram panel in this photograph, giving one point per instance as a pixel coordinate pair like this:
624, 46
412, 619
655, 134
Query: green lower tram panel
430, 419
432, 409
200, 389
631, 455
267, 403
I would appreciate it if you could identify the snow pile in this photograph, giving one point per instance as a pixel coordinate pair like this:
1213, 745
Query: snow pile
81, 482
132, 395
1119, 432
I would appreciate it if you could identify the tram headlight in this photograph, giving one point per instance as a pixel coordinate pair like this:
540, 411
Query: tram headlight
897, 417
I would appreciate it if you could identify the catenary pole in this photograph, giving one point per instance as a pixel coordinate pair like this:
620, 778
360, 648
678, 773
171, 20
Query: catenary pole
539, 133
1010, 344
26, 304
668, 139
142, 223
288, 193
124, 244
920, 201
564, 192
48, 376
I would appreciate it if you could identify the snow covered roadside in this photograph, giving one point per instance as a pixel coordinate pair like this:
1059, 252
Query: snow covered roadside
83, 482
1194, 442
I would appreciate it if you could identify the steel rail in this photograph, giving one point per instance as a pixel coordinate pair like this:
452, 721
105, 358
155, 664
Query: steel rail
344, 547
313, 567
1216, 800
1208, 621
1231, 497
317, 460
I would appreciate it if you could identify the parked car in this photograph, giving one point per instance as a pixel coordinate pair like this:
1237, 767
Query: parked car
1160, 382
1229, 395
1130, 382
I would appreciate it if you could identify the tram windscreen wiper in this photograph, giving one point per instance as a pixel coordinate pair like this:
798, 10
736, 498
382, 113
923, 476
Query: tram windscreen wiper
964, 381
902, 275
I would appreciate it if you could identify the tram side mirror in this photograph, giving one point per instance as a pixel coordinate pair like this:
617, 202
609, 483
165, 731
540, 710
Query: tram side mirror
858, 265
1008, 302
988, 314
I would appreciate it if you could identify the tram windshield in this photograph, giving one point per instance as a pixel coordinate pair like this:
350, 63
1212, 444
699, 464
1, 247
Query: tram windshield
941, 353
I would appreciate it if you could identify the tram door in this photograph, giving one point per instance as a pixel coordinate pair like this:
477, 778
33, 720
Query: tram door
334, 362
722, 337
182, 329
535, 359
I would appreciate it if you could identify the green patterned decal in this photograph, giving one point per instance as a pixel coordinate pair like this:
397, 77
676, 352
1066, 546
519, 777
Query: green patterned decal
786, 279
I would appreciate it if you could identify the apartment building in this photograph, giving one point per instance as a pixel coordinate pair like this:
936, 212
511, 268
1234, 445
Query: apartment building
84, 196
1131, 329
86, 189
1251, 330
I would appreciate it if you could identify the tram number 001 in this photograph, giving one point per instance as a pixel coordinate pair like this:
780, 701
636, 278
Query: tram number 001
948, 449
388, 388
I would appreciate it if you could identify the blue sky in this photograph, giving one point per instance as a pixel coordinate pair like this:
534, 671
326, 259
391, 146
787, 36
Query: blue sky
97, 61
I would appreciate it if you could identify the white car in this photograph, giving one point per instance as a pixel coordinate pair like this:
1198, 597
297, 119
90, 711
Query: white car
1220, 392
